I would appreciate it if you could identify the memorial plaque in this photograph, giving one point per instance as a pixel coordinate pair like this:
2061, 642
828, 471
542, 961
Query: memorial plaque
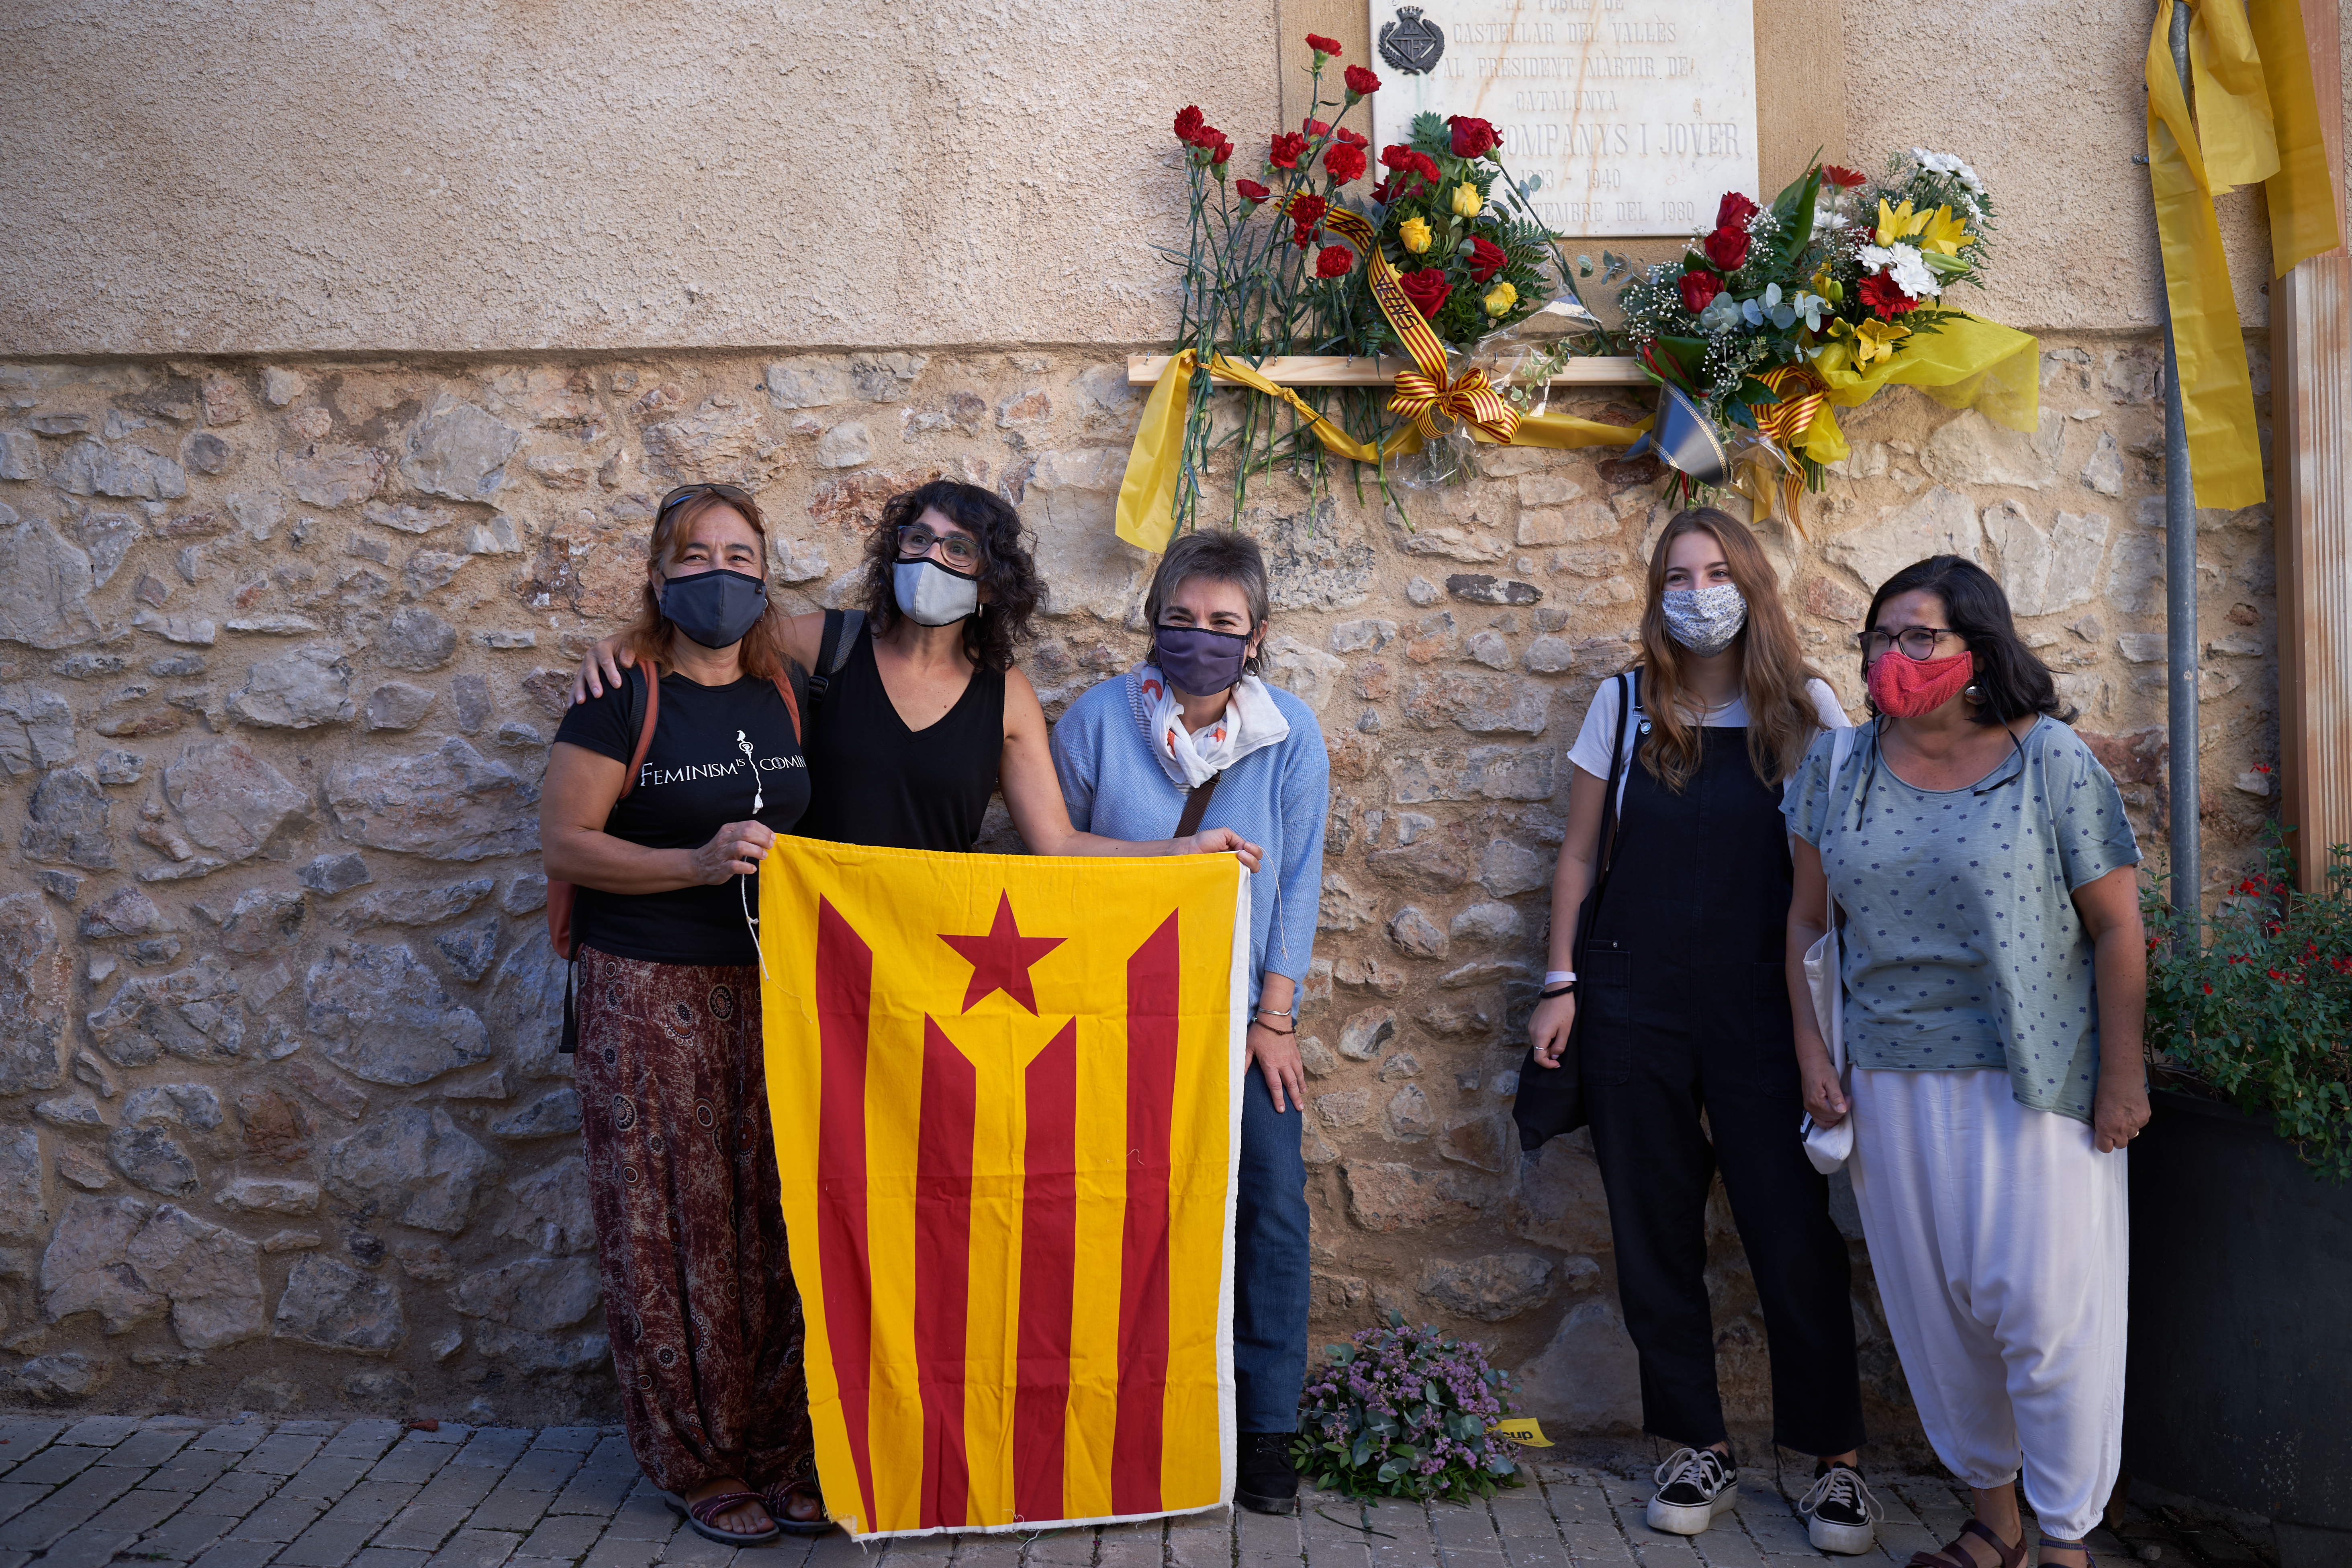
1639, 114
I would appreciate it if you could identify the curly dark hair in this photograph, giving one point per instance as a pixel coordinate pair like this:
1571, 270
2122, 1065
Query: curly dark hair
2014, 682
1007, 573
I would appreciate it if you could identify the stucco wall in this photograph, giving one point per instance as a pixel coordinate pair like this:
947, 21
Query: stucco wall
346, 178
281, 1125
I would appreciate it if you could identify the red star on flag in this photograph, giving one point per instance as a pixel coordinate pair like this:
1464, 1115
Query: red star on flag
1000, 961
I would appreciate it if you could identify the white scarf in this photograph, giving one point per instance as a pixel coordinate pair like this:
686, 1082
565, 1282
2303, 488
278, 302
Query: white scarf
1250, 723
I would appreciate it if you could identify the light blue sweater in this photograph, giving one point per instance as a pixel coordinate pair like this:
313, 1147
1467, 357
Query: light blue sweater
1279, 798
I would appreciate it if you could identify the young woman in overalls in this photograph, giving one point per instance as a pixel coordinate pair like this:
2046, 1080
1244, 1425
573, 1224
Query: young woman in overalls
1684, 1000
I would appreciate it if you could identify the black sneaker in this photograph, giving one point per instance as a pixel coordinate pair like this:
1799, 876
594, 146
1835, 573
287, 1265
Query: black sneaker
1840, 1513
1269, 1481
1693, 1486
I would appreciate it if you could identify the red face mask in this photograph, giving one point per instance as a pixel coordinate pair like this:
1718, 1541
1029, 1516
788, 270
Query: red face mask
1908, 687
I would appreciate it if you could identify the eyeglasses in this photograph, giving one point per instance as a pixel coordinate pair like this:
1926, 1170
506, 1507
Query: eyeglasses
1916, 642
730, 493
915, 539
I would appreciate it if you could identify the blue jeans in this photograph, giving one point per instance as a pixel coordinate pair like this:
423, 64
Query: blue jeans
1269, 1264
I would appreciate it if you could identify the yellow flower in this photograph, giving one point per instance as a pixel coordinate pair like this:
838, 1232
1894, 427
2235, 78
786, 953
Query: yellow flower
1899, 222
1414, 232
1466, 200
1944, 232
1872, 340
1500, 299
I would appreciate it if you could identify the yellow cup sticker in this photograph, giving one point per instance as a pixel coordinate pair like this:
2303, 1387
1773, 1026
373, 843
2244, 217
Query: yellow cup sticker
1524, 1429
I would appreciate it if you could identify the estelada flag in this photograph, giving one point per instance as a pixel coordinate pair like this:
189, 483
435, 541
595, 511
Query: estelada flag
1006, 1096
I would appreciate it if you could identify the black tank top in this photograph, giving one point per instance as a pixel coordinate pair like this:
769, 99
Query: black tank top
872, 780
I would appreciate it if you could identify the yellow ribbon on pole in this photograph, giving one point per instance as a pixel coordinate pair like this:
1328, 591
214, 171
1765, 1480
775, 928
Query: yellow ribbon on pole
2257, 118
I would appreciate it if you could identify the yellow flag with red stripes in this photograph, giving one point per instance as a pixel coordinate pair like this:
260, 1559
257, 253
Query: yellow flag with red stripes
1006, 1097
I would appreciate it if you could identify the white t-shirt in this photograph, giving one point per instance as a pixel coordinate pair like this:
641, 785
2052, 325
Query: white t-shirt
1591, 749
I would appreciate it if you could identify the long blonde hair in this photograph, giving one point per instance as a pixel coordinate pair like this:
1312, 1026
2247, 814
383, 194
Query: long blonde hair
1781, 718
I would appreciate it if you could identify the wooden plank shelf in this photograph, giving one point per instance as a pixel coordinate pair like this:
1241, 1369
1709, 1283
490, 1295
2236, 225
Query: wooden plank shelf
1339, 370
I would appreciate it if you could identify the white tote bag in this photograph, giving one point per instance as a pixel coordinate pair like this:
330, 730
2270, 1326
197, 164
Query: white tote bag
1830, 1147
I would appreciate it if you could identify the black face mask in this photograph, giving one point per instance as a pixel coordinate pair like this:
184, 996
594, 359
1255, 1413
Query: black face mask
714, 608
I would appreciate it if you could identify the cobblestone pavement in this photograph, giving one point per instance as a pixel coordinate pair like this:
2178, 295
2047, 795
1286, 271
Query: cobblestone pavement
373, 1494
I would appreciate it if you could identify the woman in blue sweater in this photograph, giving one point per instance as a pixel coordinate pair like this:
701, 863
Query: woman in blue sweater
1193, 734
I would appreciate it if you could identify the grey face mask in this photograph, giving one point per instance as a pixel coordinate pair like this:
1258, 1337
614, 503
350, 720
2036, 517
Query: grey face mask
1703, 620
929, 594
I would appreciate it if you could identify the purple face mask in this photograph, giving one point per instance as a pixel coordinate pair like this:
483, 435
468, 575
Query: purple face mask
1198, 661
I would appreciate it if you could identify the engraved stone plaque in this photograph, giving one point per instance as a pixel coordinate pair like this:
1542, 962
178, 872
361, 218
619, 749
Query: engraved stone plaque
1639, 114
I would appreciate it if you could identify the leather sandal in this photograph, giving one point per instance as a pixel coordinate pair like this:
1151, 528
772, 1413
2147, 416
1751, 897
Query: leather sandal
778, 1499
702, 1517
1955, 1555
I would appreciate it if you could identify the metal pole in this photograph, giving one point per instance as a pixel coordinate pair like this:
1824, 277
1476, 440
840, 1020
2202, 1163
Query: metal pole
2180, 596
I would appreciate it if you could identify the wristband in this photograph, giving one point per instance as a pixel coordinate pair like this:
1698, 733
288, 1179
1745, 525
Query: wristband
1554, 977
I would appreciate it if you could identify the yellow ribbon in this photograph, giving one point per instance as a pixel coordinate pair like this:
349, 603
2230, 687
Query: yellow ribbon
1769, 463
2257, 120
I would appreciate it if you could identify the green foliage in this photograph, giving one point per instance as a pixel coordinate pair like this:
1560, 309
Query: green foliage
2263, 1011
1405, 1412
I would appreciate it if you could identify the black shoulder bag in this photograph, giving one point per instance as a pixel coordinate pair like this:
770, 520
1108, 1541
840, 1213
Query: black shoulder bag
1550, 1100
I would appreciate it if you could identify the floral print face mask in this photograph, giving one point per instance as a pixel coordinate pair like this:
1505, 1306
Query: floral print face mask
1705, 619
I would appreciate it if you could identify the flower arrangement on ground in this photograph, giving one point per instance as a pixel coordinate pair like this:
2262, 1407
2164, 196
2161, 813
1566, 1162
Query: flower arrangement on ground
1823, 297
2260, 1010
1405, 1412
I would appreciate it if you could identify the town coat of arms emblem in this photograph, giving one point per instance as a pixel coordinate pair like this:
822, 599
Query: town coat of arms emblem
1412, 43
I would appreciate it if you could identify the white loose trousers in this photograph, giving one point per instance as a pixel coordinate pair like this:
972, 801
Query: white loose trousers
2000, 1239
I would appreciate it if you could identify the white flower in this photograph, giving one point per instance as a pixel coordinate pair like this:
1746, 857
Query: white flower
1902, 263
1828, 222
1945, 163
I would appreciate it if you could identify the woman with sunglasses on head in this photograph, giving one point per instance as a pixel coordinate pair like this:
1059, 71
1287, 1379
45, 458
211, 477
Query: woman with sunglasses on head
662, 861
1193, 733
1980, 868
928, 716
1686, 1059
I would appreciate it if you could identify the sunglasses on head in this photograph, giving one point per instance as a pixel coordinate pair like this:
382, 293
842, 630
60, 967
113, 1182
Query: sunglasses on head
731, 494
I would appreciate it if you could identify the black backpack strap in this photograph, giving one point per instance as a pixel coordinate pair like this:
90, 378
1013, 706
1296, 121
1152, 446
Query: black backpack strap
842, 629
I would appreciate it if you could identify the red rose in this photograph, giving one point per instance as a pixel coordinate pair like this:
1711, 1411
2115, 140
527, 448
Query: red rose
1287, 146
1487, 258
1311, 127
1251, 191
1734, 211
1380, 193
1189, 120
1727, 247
1699, 290
1472, 138
1427, 288
1323, 46
1336, 261
1844, 179
1884, 298
1344, 163
1361, 83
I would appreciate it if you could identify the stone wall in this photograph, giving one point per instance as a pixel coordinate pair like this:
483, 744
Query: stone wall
281, 1121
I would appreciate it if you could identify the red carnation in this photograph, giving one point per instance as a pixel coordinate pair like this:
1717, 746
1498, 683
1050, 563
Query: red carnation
1314, 127
1425, 166
1323, 46
1361, 83
1472, 138
1427, 288
1727, 247
1699, 290
1222, 151
1352, 137
1336, 261
1734, 211
1487, 258
1844, 179
1306, 210
1189, 122
1287, 146
1884, 298
1396, 155
1344, 163
1251, 191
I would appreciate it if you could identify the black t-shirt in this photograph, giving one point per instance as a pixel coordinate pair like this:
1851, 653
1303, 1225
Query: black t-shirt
696, 779
878, 782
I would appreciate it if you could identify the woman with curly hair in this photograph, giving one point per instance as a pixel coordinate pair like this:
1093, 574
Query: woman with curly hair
929, 715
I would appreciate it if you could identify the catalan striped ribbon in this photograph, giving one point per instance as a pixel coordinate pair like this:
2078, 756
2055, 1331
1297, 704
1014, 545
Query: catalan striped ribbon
1006, 1100
1772, 462
1423, 394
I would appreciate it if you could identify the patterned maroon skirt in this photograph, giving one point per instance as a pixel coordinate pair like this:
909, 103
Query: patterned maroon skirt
699, 1294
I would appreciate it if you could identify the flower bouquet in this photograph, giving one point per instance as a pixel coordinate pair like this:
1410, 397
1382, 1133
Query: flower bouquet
1823, 297
1405, 1412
